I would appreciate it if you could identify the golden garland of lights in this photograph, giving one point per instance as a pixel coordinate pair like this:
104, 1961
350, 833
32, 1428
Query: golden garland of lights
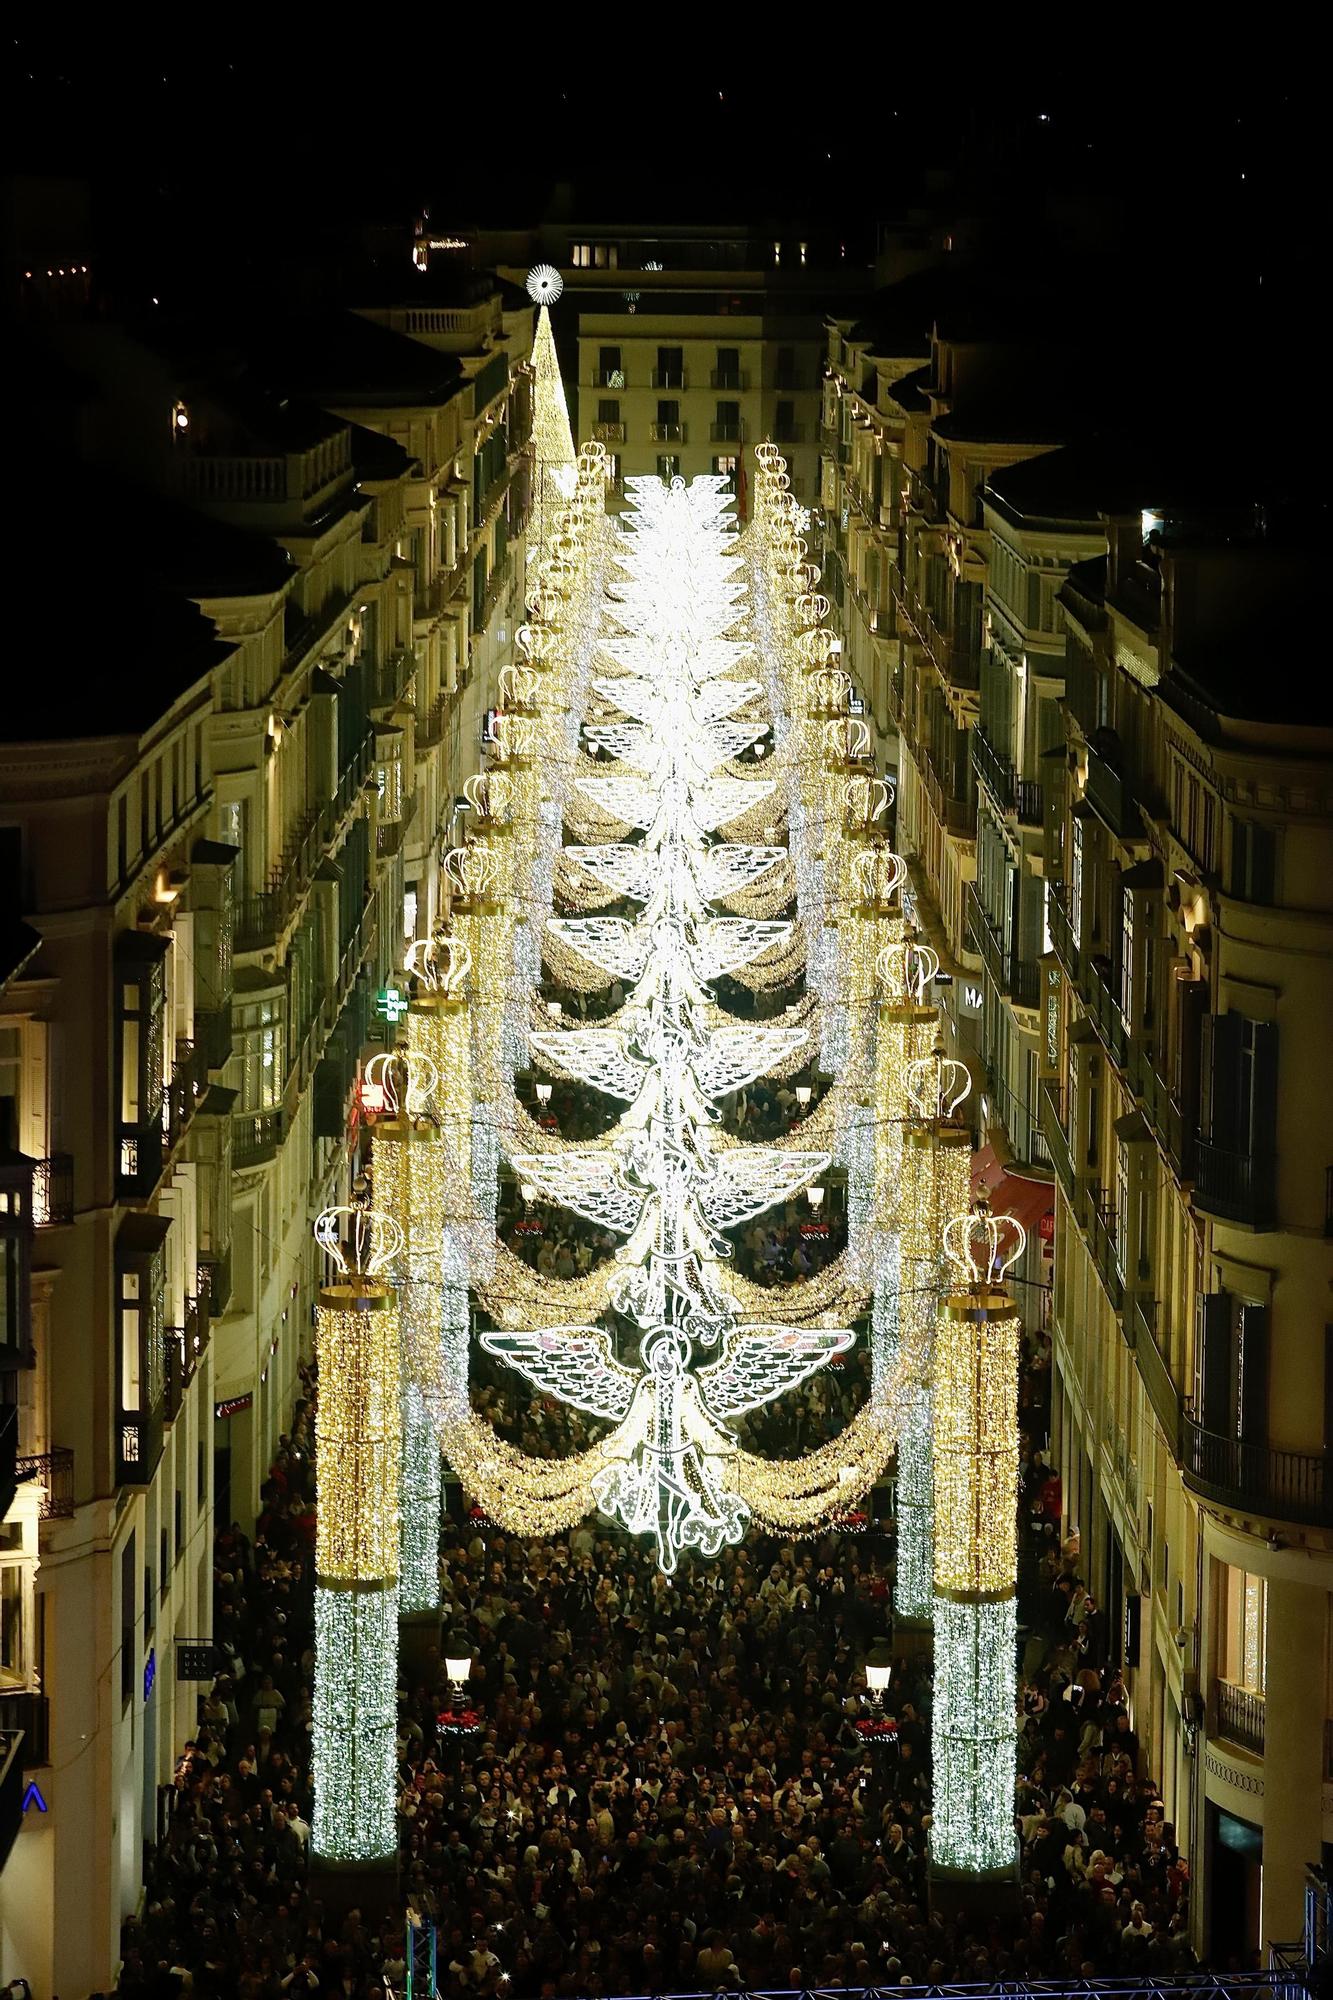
976, 1446
358, 1435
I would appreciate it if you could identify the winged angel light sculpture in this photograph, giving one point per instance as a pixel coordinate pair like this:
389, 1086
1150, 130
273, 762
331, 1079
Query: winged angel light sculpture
664, 1185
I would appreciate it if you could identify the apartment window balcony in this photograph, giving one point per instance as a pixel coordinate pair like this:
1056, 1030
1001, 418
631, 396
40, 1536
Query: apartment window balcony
727, 432
53, 1191
609, 378
729, 378
789, 379
1141, 1333
1259, 1478
1053, 1116
1108, 794
1103, 1007
1019, 979
1235, 1185
609, 433
54, 1471
669, 378
828, 437
789, 434
1063, 941
255, 1137
667, 433
213, 1280
30, 1712
1238, 1716
1099, 1220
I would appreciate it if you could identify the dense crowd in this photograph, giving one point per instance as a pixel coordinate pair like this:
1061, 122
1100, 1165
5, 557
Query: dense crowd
666, 1788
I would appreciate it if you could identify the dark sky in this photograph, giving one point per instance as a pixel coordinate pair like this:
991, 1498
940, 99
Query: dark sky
216, 150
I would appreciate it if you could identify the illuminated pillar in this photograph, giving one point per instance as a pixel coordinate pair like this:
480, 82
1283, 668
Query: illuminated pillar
935, 1180
358, 1460
974, 1732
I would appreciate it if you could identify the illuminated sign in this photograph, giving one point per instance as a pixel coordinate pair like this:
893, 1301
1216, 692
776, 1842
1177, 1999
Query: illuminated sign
372, 1098
391, 1003
232, 1406
149, 1672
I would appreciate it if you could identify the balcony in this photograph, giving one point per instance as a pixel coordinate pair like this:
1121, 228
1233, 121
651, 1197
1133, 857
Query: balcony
260, 919
255, 1137
1053, 1114
1238, 1716
30, 1712
54, 1472
1018, 979
1141, 1333
212, 1033
609, 433
1063, 942
1021, 798
729, 378
1161, 1109
669, 378
609, 378
1248, 1478
1110, 797
727, 432
1238, 1186
53, 1191
667, 433
1100, 1222
213, 1280
189, 1081
9, 1440
1103, 1008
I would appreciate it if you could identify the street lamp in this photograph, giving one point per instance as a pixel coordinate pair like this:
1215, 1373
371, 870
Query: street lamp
803, 1095
877, 1682
458, 1666
542, 1092
815, 1197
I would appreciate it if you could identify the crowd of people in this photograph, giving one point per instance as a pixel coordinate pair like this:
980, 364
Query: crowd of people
666, 1788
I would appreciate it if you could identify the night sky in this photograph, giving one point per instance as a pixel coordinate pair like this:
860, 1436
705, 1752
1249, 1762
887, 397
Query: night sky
232, 156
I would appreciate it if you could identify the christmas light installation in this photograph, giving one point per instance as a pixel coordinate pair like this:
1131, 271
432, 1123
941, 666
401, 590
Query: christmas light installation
358, 1459
671, 1467
974, 1734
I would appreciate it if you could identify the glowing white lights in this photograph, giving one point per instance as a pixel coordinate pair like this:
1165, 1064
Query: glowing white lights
545, 284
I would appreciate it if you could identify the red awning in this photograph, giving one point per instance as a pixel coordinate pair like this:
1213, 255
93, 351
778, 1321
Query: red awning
1027, 1200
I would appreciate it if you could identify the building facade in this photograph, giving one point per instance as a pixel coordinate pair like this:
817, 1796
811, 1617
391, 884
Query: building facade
1117, 820
217, 849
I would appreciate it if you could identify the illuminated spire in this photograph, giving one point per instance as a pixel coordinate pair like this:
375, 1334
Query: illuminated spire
551, 435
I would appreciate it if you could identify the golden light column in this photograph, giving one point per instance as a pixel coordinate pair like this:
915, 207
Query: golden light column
358, 1461
974, 1731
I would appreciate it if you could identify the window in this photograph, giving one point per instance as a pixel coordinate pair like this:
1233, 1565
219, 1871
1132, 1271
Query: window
131, 1343
610, 373
608, 410
670, 368
1076, 883
668, 465
129, 1617
612, 463
12, 1593
1231, 1367
727, 374
726, 466
580, 256
668, 411
1253, 861
728, 423
1242, 1628
784, 423
1127, 958
258, 1040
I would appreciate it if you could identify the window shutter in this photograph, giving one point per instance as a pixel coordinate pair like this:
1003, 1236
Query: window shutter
1212, 1365
1252, 1370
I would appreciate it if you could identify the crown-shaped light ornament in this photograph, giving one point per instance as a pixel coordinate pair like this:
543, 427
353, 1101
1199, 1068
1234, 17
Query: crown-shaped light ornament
863, 799
879, 873
415, 1070
983, 1247
470, 869
907, 970
489, 793
936, 1084
441, 962
373, 1240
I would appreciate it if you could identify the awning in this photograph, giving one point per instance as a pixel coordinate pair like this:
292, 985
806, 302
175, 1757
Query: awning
1030, 1202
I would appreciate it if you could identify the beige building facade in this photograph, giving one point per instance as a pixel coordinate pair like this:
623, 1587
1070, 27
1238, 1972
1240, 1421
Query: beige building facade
216, 858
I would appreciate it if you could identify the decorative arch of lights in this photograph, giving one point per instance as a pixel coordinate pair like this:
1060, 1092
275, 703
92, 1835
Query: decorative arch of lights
675, 734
